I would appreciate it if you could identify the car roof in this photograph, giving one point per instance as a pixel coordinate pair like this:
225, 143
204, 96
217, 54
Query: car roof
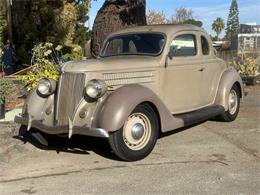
163, 28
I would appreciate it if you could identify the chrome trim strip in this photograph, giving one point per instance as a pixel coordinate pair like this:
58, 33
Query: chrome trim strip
57, 105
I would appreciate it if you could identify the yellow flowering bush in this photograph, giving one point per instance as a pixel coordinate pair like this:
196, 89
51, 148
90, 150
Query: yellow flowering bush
45, 65
46, 62
248, 67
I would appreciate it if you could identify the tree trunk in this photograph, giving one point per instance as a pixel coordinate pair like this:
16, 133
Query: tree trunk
115, 15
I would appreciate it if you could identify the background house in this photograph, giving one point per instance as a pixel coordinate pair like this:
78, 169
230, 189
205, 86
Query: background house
248, 39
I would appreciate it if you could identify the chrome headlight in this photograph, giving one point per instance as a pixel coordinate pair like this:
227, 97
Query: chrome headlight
95, 89
46, 87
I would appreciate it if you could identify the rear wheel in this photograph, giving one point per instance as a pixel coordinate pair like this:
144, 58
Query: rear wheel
137, 138
233, 105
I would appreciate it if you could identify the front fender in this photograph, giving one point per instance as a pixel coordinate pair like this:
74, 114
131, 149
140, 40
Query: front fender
37, 106
120, 104
228, 79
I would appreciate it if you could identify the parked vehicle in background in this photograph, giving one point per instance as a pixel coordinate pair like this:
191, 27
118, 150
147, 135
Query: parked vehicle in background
147, 80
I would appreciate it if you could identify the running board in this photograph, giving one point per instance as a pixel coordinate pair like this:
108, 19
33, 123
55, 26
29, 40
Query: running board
200, 115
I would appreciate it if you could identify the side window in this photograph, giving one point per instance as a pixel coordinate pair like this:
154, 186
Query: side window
184, 45
204, 46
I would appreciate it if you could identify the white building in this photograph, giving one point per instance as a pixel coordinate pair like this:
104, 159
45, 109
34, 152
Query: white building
248, 39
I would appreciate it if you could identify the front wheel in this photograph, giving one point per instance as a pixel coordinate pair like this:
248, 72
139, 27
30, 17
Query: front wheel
137, 138
233, 105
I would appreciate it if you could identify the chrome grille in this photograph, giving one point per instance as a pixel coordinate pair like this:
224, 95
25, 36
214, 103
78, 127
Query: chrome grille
71, 89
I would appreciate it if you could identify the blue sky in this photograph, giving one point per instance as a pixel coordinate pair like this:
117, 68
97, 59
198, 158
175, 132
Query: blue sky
205, 10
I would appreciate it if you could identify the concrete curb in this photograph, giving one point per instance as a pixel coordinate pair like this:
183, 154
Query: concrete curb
9, 116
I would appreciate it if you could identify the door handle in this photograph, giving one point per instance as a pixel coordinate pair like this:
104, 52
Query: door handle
202, 69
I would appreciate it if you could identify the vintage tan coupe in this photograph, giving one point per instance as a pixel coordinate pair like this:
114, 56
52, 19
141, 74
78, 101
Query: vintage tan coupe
147, 80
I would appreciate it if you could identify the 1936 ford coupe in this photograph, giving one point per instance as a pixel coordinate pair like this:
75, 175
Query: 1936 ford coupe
147, 80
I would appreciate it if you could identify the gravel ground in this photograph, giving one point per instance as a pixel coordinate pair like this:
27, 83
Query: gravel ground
210, 158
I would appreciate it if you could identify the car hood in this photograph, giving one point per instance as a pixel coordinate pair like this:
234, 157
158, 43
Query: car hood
111, 63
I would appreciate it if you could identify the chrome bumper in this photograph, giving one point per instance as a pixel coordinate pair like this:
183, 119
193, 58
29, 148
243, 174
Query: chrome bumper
56, 130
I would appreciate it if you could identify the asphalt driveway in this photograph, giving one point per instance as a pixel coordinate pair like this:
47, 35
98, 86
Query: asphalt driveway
210, 158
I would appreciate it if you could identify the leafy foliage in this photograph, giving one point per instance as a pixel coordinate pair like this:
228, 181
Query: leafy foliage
45, 59
218, 25
3, 22
75, 54
7, 87
233, 20
214, 38
182, 16
248, 66
60, 22
82, 34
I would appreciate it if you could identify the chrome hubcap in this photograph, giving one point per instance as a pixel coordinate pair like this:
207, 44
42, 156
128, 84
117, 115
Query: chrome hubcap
232, 102
137, 131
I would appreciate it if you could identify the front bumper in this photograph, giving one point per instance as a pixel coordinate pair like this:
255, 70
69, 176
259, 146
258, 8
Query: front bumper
57, 130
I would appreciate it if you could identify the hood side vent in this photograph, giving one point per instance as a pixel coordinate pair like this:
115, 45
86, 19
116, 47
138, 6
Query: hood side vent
124, 78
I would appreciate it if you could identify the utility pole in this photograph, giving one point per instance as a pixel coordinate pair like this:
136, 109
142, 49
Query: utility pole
9, 20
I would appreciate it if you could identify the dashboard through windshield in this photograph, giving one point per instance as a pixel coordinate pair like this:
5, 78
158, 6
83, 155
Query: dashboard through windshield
134, 44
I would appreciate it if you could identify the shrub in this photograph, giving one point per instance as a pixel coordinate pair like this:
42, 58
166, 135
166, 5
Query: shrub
46, 62
7, 87
1, 53
248, 66
46, 65
75, 53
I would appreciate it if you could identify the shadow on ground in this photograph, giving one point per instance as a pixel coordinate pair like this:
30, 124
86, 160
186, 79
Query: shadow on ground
76, 145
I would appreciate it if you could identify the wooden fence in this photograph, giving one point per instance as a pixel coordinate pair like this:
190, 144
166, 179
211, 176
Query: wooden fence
227, 56
231, 55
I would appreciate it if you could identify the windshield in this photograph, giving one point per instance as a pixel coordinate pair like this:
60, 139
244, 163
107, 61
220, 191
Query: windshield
134, 44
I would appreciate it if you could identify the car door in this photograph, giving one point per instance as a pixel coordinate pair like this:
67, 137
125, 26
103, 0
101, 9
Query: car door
183, 74
211, 71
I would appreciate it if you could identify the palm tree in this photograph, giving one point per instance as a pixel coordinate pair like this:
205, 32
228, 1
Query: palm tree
218, 26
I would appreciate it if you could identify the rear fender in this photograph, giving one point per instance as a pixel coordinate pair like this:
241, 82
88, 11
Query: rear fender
229, 78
